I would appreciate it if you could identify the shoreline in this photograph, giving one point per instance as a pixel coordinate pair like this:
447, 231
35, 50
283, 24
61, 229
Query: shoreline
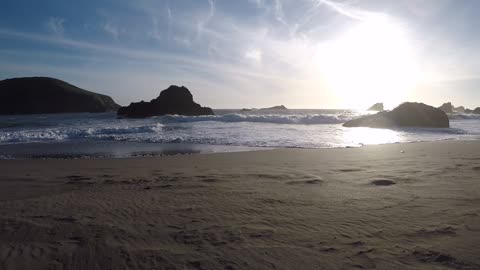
395, 206
132, 150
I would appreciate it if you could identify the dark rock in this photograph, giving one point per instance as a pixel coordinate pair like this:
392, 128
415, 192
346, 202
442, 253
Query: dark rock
447, 107
468, 111
378, 107
281, 107
406, 115
246, 110
476, 111
174, 100
41, 95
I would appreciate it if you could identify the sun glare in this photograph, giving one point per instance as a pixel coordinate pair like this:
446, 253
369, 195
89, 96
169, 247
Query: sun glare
371, 62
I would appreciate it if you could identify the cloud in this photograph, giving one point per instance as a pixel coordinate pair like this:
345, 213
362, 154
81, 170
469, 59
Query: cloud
267, 44
345, 9
279, 15
203, 22
55, 25
170, 21
254, 54
111, 29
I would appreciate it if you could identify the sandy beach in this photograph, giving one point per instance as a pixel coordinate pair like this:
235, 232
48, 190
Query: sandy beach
399, 206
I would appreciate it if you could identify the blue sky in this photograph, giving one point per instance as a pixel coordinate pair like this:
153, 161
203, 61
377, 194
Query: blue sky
250, 53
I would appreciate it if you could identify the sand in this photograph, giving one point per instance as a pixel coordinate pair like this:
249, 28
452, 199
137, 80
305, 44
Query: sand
402, 206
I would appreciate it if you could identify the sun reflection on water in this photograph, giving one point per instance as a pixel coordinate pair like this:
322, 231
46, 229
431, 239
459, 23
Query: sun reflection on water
369, 136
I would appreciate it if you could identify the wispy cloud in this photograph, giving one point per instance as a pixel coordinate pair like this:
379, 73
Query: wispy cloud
144, 55
279, 15
345, 9
254, 54
111, 30
55, 25
254, 44
203, 22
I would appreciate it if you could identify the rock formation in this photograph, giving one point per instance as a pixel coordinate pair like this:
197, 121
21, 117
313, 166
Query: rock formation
406, 115
460, 109
280, 107
447, 107
378, 107
42, 95
174, 100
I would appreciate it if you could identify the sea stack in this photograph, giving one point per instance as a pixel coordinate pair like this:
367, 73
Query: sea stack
460, 109
43, 95
173, 100
377, 107
447, 107
408, 114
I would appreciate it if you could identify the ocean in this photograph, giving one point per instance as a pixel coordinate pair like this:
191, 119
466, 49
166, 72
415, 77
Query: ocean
87, 135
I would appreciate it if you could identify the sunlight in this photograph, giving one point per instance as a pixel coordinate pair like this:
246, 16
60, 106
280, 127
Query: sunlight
369, 136
371, 62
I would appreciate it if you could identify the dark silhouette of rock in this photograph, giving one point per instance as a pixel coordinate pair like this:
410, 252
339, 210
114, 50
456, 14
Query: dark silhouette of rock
174, 100
246, 110
378, 107
468, 111
460, 109
406, 115
41, 95
280, 107
447, 107
476, 111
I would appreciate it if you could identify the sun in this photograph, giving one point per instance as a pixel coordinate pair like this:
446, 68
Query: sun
371, 62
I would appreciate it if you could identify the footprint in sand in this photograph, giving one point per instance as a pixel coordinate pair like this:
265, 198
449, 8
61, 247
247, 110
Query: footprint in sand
305, 182
427, 256
383, 182
349, 170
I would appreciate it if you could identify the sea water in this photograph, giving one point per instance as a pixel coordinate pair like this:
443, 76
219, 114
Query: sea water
105, 135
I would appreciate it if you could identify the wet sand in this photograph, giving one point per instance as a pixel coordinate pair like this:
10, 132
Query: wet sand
401, 206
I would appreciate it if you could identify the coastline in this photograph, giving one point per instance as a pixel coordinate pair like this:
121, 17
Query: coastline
84, 149
393, 206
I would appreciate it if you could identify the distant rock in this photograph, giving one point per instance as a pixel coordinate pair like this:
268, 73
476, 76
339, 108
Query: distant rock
275, 108
378, 107
447, 107
468, 111
406, 115
42, 95
174, 100
246, 110
476, 111
460, 109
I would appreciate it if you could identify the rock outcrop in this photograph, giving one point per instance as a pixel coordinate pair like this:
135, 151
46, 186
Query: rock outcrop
476, 111
174, 100
406, 115
42, 95
460, 109
275, 108
377, 107
447, 107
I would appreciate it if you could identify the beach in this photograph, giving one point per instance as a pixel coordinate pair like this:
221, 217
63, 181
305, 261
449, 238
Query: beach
396, 206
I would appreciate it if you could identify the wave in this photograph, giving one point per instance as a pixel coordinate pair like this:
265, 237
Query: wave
60, 134
313, 119
464, 116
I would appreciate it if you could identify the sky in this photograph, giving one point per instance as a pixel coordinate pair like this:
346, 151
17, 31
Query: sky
251, 53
